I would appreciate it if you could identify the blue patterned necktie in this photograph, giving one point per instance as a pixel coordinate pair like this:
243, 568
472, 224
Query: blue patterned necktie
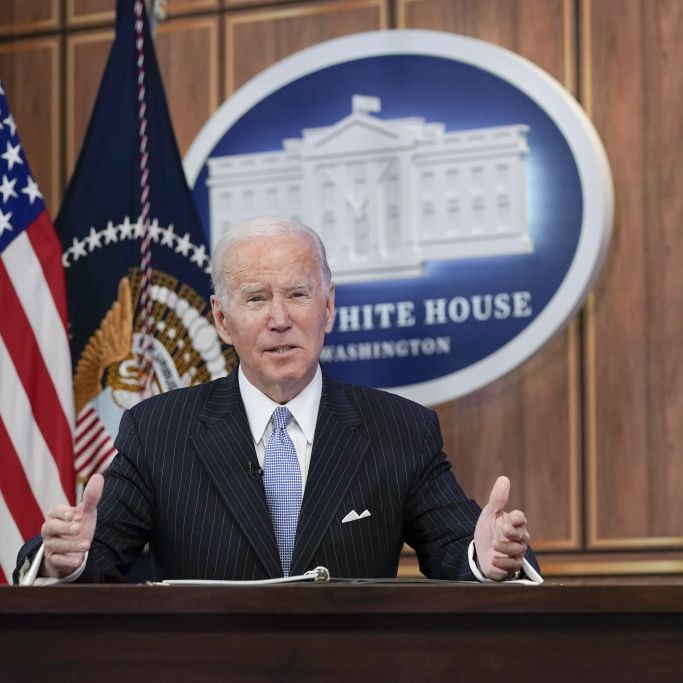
282, 481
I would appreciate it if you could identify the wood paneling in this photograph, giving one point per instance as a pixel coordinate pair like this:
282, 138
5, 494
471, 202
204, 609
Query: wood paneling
89, 11
36, 109
188, 59
86, 58
526, 425
28, 15
241, 3
662, 29
590, 430
255, 40
97, 11
178, 6
633, 86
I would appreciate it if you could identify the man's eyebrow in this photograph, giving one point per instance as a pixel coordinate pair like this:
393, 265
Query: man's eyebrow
251, 288
299, 285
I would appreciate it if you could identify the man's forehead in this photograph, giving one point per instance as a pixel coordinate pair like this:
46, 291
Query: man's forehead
267, 261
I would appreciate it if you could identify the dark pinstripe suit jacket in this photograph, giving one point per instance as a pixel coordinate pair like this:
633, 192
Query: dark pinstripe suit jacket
181, 482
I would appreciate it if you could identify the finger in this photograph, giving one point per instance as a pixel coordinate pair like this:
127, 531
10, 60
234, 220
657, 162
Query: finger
92, 494
497, 574
64, 546
509, 548
507, 532
517, 518
499, 495
58, 527
64, 512
65, 563
509, 565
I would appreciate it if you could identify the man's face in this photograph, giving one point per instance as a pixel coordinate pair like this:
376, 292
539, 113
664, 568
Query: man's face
277, 312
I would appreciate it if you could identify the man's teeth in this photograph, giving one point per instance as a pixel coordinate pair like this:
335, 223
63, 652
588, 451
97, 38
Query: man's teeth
281, 349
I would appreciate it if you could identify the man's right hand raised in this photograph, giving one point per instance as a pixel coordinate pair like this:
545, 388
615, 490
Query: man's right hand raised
68, 532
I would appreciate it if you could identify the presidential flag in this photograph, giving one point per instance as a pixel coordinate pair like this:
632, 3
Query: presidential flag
36, 399
135, 256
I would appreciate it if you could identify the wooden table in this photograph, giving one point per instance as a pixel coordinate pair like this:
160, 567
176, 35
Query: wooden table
414, 632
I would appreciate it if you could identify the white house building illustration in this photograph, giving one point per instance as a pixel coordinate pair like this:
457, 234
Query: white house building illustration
386, 196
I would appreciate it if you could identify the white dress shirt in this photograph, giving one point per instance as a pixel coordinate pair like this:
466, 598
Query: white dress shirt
304, 410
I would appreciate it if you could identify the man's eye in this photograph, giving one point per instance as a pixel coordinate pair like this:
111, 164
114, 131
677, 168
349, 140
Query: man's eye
254, 299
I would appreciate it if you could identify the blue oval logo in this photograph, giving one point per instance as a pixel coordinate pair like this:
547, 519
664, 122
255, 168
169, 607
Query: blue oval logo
464, 197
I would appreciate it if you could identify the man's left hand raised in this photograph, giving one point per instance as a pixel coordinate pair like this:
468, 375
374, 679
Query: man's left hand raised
500, 538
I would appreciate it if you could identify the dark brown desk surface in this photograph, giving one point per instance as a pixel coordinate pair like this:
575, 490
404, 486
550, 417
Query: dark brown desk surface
353, 632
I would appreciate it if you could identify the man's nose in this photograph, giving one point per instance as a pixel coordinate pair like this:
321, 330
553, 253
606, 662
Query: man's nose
279, 314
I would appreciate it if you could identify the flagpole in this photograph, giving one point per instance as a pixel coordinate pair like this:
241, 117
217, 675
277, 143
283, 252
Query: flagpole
145, 306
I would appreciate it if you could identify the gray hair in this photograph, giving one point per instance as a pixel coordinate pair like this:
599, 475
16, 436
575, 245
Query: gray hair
259, 228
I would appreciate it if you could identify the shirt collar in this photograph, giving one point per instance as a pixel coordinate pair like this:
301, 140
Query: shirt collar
304, 407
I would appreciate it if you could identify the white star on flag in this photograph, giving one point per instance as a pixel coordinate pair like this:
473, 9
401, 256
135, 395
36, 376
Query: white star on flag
155, 230
77, 249
12, 155
110, 234
199, 255
10, 122
31, 189
168, 236
7, 188
184, 245
93, 239
4, 221
126, 229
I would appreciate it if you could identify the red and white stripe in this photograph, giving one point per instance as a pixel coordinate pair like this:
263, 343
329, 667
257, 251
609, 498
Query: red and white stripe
36, 400
94, 447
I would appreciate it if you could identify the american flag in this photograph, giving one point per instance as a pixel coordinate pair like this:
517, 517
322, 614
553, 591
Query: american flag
36, 395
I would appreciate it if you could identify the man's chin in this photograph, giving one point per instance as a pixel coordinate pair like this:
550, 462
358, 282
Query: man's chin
291, 374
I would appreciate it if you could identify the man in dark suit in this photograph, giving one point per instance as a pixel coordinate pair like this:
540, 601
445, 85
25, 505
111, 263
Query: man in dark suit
340, 476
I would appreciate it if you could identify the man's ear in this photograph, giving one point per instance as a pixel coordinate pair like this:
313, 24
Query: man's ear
329, 323
220, 321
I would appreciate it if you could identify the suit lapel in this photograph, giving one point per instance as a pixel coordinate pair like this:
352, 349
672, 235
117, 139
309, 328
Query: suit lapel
225, 448
339, 447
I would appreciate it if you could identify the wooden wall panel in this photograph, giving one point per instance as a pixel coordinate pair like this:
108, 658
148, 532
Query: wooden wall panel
188, 60
662, 28
189, 6
495, 21
36, 109
526, 425
255, 40
241, 3
28, 15
633, 87
89, 11
86, 58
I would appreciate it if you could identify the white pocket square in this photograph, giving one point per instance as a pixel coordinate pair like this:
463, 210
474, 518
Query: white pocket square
353, 516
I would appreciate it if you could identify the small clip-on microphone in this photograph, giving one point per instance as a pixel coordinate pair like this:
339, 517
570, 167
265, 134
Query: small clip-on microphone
255, 471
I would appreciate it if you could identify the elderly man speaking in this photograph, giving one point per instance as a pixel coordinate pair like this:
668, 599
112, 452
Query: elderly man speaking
277, 468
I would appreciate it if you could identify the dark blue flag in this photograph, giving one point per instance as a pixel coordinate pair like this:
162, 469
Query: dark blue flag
129, 180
